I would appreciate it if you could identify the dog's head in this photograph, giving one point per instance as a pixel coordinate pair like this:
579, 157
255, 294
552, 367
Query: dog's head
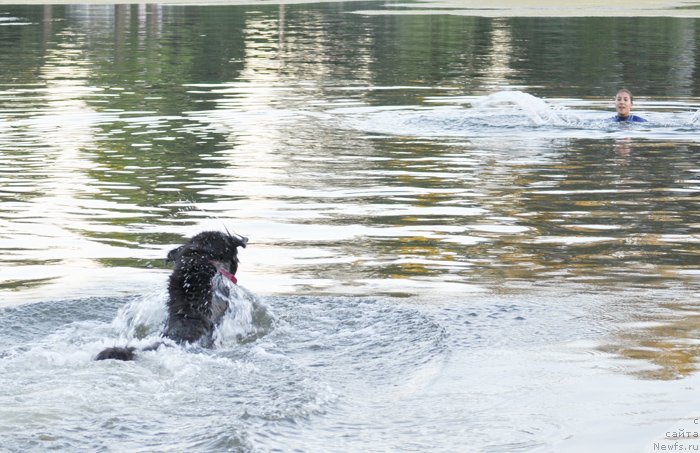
217, 246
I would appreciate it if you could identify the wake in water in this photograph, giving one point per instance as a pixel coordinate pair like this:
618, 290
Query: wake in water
267, 381
515, 113
496, 372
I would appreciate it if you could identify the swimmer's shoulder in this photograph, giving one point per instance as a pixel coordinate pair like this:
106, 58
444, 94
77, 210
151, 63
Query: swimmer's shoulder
629, 119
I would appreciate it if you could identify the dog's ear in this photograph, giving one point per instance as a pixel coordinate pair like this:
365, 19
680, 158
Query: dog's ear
174, 254
240, 241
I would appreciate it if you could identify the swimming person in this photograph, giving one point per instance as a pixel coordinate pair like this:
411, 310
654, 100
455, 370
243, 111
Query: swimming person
623, 105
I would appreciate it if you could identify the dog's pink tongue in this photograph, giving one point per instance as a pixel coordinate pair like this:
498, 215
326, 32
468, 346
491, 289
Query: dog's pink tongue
224, 272
228, 275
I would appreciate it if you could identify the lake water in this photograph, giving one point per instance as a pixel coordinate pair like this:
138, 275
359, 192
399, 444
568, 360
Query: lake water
451, 248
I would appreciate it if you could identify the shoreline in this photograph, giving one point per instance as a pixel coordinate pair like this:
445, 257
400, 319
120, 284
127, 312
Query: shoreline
496, 8
551, 8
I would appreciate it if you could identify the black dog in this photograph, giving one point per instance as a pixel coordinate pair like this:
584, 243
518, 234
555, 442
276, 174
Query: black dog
196, 303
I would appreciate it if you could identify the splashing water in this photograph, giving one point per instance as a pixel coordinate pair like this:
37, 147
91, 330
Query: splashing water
535, 109
695, 120
142, 317
519, 114
245, 320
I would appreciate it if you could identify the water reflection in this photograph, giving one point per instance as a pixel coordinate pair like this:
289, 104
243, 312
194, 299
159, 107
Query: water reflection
661, 337
349, 148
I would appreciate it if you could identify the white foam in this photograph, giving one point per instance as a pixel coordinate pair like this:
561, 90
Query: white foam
246, 319
142, 317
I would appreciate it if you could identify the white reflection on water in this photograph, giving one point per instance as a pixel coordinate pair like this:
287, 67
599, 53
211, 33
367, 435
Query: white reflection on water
425, 181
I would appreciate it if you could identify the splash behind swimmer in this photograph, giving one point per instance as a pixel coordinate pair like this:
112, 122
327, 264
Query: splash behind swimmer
623, 105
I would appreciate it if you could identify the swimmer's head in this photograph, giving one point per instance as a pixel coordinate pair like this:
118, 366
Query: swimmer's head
623, 102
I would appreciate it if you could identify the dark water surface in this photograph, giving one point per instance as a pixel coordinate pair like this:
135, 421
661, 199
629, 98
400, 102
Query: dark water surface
446, 186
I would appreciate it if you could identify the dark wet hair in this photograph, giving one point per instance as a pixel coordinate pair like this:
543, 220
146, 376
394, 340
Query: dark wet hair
625, 90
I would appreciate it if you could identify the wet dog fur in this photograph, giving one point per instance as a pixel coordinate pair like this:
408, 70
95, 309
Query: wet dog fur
194, 309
